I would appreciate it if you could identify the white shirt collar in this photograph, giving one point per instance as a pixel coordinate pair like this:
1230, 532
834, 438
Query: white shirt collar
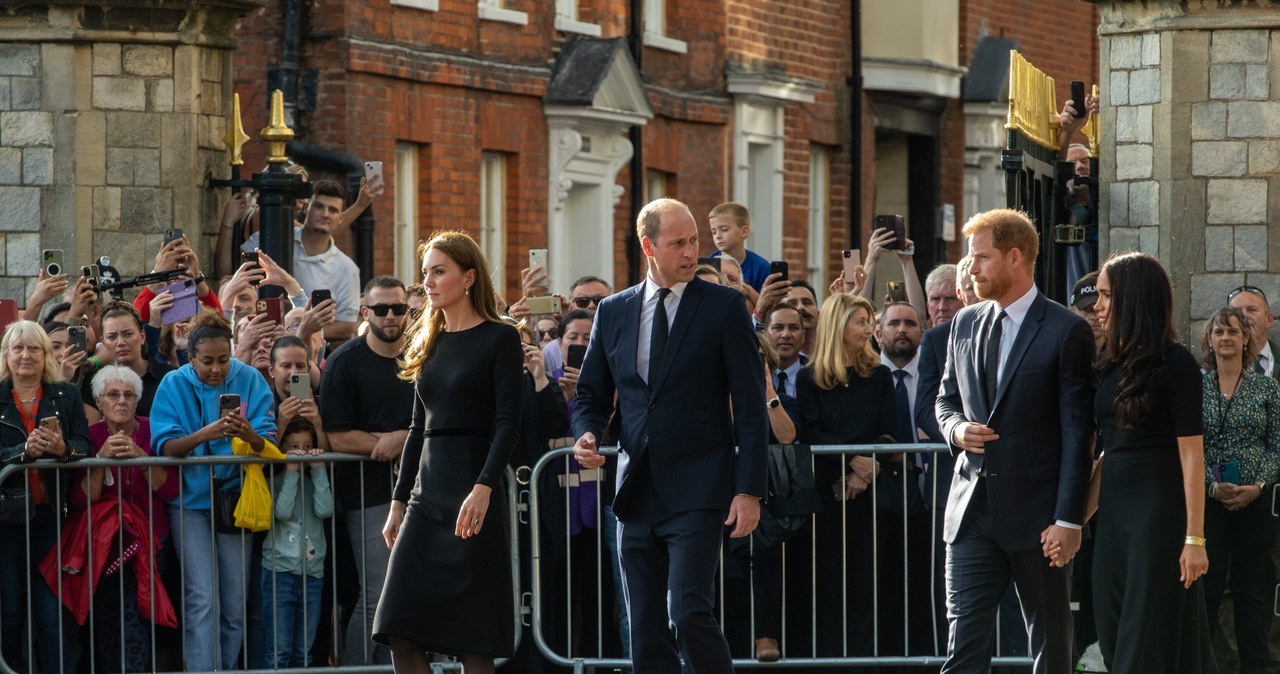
651, 288
1017, 310
912, 368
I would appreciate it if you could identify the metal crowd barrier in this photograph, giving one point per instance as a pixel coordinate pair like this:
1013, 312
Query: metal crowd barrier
86, 635
580, 656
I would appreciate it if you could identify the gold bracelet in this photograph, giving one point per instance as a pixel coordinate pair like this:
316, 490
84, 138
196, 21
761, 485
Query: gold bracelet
1195, 540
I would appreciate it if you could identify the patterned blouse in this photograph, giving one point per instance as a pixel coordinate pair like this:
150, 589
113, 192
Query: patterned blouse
1244, 428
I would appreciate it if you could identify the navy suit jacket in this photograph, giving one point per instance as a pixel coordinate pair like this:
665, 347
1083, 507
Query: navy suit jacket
707, 396
1038, 471
933, 360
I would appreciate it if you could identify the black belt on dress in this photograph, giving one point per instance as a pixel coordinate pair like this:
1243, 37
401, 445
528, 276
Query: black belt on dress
453, 432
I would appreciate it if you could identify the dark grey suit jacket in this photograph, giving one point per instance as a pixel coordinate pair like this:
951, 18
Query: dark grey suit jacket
1038, 471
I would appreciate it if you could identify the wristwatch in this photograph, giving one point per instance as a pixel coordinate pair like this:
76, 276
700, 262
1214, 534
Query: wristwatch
774, 403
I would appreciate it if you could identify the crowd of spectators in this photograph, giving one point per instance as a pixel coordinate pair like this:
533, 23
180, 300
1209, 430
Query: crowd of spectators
121, 380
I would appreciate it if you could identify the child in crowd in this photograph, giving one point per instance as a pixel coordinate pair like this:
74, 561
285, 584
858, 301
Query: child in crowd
294, 551
730, 227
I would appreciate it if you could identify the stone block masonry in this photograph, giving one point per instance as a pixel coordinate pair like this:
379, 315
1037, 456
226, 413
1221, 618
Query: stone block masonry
85, 165
1191, 145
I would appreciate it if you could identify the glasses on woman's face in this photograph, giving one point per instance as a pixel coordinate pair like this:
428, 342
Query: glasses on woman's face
113, 396
381, 310
587, 301
549, 333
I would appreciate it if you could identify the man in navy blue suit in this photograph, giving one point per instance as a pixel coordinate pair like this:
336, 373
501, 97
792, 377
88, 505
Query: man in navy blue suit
681, 355
1016, 405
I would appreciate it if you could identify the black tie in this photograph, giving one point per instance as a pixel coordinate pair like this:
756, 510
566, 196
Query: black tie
905, 427
782, 382
1257, 366
991, 368
658, 338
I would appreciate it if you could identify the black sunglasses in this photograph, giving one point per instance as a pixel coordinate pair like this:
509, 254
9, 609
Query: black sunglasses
1247, 289
586, 301
553, 333
381, 310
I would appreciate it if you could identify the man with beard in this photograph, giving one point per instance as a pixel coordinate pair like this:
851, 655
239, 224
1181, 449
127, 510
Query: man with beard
367, 409
1016, 405
899, 332
805, 300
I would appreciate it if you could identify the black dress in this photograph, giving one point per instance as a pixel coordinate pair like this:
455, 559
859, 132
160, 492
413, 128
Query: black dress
453, 595
1147, 622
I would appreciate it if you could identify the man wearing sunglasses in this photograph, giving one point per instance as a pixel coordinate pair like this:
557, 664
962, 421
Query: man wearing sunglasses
1253, 302
586, 293
366, 409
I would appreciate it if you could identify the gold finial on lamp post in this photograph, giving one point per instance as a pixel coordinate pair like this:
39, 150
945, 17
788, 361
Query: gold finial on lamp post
277, 134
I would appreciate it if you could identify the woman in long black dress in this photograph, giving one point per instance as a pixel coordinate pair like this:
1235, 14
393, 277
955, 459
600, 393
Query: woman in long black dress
1150, 485
448, 587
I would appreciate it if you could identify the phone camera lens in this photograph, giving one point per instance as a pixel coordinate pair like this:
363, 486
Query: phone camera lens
53, 269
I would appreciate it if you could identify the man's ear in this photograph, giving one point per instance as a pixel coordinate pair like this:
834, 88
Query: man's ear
646, 245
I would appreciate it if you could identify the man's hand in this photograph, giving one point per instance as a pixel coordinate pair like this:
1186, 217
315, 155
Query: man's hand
275, 275
771, 293
1060, 544
316, 319
1068, 123
744, 515
973, 437
587, 453
389, 446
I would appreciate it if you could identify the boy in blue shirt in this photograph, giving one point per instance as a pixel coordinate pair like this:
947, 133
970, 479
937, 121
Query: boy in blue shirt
730, 226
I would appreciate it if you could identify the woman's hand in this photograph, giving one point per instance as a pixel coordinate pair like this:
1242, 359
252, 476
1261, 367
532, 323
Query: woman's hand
569, 382
1237, 496
288, 409
158, 306
1194, 563
534, 365
391, 530
120, 446
71, 362
471, 516
43, 441
241, 428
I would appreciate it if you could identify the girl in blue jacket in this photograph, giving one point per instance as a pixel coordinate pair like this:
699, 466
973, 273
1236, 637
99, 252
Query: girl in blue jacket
187, 420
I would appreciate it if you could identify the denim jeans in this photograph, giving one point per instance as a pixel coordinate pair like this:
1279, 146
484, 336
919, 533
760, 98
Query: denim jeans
290, 615
364, 527
53, 632
214, 567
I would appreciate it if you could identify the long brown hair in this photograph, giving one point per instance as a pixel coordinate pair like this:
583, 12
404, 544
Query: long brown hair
422, 333
1139, 329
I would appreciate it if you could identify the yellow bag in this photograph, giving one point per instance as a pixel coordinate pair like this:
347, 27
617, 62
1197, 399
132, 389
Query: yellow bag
253, 511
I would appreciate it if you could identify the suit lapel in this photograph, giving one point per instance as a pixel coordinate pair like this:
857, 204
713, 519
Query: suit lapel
980, 329
631, 336
684, 316
1027, 333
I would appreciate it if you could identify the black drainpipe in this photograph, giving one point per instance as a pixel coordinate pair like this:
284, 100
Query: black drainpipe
291, 59
322, 160
855, 126
635, 40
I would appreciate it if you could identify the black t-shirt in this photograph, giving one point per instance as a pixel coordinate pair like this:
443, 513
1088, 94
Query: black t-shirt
150, 382
1176, 396
361, 392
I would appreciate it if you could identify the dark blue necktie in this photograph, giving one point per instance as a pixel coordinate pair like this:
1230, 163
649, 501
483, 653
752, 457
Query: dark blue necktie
781, 386
991, 365
904, 430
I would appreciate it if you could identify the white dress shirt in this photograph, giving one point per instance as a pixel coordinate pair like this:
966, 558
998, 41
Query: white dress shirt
650, 294
1267, 359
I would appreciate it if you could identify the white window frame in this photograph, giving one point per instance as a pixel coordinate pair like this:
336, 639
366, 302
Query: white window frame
493, 213
405, 196
819, 217
758, 185
567, 20
655, 185
425, 5
655, 28
495, 10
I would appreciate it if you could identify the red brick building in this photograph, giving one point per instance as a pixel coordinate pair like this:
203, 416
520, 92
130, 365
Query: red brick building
516, 119
460, 100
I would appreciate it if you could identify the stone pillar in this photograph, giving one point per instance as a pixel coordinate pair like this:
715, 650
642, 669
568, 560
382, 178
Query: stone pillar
1191, 145
111, 118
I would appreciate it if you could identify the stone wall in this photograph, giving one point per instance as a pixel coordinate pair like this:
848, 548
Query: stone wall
1191, 146
111, 119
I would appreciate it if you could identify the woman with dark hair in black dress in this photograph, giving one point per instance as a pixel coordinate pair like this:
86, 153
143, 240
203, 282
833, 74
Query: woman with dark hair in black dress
448, 587
1149, 487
